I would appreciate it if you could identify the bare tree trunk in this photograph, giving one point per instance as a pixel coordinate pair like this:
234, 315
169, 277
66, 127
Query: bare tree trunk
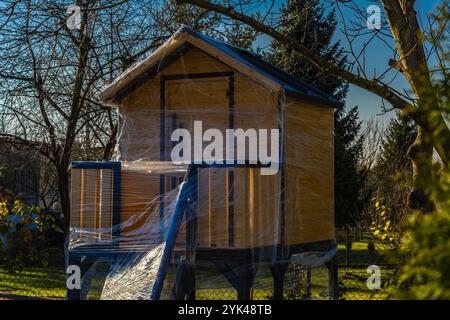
421, 153
111, 144
413, 64
63, 190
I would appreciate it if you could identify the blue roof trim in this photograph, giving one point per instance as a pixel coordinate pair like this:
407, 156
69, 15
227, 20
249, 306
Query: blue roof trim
254, 61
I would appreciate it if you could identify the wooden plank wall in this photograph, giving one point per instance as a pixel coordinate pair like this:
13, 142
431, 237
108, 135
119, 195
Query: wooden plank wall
309, 180
139, 199
107, 189
75, 197
203, 99
91, 203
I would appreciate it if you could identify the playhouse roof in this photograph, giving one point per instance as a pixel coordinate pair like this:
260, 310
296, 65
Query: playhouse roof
248, 63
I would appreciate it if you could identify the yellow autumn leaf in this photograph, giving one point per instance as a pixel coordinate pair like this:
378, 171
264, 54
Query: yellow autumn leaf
19, 207
3, 209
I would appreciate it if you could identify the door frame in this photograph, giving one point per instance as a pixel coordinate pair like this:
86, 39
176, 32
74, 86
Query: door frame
231, 119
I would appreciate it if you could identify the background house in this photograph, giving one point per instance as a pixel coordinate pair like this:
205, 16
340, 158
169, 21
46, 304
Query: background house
22, 171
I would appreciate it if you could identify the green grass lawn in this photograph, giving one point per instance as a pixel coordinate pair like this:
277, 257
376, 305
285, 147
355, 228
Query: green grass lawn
355, 288
354, 279
359, 254
49, 283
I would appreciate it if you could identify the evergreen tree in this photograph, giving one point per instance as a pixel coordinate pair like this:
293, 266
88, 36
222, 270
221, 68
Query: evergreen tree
392, 176
348, 144
308, 21
399, 137
239, 34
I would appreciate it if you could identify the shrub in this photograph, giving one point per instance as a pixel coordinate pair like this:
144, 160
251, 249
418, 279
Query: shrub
426, 247
21, 242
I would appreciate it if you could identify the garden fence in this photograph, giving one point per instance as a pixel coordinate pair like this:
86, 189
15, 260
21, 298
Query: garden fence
49, 283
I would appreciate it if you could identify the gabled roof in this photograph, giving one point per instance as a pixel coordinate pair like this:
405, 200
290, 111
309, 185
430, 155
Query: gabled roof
246, 62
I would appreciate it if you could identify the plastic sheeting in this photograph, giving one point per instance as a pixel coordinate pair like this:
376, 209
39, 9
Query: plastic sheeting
189, 211
219, 255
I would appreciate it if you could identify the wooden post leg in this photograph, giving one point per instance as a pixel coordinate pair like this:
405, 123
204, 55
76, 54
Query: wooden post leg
179, 288
191, 290
333, 279
191, 234
308, 283
87, 272
278, 271
246, 276
240, 274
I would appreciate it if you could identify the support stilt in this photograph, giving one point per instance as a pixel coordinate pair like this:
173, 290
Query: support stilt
278, 271
333, 279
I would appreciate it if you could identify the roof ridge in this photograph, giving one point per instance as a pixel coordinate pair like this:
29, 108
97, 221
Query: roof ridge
245, 57
310, 89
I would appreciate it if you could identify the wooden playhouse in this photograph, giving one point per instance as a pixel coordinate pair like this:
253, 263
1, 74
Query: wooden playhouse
242, 217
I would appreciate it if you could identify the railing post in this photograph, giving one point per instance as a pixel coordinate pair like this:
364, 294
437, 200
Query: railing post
333, 279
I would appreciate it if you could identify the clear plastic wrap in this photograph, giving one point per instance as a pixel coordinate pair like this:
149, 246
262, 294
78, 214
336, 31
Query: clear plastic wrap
218, 226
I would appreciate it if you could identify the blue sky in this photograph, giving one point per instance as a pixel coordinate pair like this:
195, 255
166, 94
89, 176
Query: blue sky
377, 57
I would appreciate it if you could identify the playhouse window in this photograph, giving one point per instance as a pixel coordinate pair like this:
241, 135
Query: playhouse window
92, 204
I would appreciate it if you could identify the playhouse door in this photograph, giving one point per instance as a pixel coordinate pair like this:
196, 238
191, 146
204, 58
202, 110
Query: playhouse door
204, 99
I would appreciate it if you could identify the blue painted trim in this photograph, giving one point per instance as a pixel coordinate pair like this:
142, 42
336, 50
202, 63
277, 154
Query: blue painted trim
230, 172
117, 203
162, 187
162, 152
172, 234
282, 194
114, 165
